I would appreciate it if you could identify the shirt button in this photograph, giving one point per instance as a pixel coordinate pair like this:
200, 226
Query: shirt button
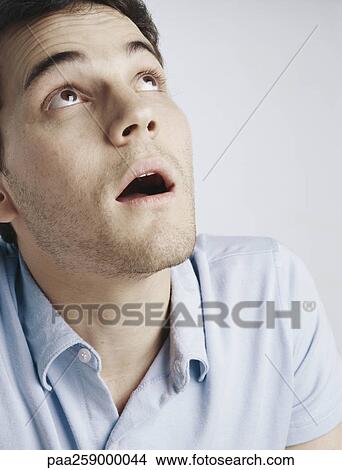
84, 355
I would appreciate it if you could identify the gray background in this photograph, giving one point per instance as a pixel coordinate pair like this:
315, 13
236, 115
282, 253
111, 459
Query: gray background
265, 78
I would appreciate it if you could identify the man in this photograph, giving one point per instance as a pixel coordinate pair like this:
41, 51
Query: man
97, 213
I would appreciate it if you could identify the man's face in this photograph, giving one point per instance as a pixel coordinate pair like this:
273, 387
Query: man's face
68, 148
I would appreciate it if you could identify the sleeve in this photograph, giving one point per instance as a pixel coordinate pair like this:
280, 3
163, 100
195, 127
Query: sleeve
317, 364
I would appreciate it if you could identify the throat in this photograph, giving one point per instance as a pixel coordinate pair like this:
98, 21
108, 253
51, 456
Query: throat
121, 385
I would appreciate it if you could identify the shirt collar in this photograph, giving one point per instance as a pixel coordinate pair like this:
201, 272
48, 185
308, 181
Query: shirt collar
187, 335
48, 335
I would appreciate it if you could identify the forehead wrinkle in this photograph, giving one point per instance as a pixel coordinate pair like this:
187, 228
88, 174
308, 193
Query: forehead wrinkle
18, 33
37, 55
72, 19
36, 38
40, 51
40, 29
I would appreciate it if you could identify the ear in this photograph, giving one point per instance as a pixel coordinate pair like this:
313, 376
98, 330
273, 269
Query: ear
8, 211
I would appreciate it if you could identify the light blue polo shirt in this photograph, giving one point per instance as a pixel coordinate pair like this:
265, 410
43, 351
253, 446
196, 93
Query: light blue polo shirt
216, 383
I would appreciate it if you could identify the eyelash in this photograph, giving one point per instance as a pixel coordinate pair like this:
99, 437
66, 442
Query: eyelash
155, 74
152, 72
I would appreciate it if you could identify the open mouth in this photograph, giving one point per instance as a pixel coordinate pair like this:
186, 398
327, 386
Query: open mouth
148, 184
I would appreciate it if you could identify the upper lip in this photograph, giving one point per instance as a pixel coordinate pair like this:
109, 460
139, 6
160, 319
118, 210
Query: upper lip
140, 167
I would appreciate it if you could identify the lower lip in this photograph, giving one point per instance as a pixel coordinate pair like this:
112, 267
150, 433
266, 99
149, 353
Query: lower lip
137, 200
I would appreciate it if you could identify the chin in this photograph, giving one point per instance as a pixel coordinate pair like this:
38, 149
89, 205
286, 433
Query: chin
160, 252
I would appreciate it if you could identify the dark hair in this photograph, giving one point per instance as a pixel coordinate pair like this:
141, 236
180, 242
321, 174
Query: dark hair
17, 12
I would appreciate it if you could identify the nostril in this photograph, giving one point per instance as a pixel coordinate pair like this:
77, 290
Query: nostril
151, 126
128, 129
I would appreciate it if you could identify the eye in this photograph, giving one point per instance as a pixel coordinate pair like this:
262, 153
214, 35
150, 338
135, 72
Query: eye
66, 95
152, 80
63, 96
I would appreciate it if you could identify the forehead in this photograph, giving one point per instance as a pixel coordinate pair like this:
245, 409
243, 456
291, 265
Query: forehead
56, 26
95, 28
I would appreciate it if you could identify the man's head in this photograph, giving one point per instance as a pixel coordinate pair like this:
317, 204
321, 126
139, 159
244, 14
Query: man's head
69, 135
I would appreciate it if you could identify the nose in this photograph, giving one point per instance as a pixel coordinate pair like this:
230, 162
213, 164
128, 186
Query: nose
135, 121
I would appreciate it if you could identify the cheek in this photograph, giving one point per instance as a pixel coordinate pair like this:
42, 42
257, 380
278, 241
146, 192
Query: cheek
177, 129
43, 162
58, 160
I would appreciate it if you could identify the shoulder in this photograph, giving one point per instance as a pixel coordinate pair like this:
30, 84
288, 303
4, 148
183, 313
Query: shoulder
239, 268
250, 255
263, 251
219, 247
235, 269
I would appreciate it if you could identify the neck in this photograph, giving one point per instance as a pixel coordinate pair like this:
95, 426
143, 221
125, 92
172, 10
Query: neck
103, 311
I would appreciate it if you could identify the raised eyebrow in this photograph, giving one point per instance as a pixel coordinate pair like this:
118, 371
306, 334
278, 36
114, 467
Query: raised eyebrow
47, 64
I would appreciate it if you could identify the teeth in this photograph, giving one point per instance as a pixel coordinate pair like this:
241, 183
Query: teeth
147, 174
